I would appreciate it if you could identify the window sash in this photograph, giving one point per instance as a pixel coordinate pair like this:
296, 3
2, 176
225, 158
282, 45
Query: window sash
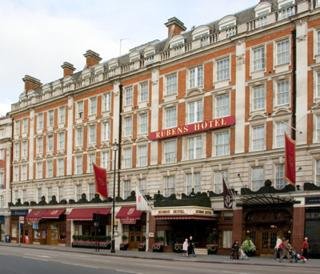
127, 157
50, 143
280, 182
222, 105
92, 135
223, 69
60, 167
61, 140
317, 177
106, 102
142, 155
127, 126
128, 96
143, 92
258, 138
195, 111
49, 168
222, 143
79, 165
258, 59
218, 176
195, 145
281, 130
40, 121
93, 105
171, 84
50, 118
126, 188
91, 161
283, 92
169, 185
105, 131
79, 137
283, 52
105, 159
170, 152
143, 119
258, 98
170, 117
80, 109
62, 115
196, 77
257, 178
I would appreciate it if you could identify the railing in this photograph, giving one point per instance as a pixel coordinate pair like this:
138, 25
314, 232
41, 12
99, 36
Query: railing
286, 12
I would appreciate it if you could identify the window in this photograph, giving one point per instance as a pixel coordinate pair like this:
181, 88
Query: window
222, 105
286, 10
50, 118
49, 168
142, 184
317, 85
257, 178
91, 161
258, 136
1, 201
171, 84
170, 117
105, 132
281, 128
222, 141
78, 168
283, 52
79, 137
39, 145
170, 151
318, 42
25, 126
195, 147
127, 126
317, 128
50, 193
258, 98
128, 96
40, 121
17, 151
92, 134
39, 167
142, 155
106, 102
193, 182
194, 112
196, 77
218, 179
126, 188
143, 95
280, 182
50, 143
227, 239
16, 174
24, 149
283, 92
78, 192
61, 141
60, 167
93, 106
91, 191
169, 185
2, 154
258, 59
127, 156
17, 128
317, 182
223, 69
2, 182
143, 123
104, 159
62, 115
24, 174
80, 109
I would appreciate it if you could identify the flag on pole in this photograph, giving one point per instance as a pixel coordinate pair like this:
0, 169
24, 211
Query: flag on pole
100, 175
290, 159
141, 202
227, 196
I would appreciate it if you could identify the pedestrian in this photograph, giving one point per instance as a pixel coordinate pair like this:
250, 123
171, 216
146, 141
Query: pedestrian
185, 247
235, 250
277, 248
191, 247
285, 248
305, 248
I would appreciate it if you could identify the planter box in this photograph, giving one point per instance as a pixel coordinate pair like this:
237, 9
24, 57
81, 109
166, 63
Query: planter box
212, 249
178, 248
91, 244
158, 247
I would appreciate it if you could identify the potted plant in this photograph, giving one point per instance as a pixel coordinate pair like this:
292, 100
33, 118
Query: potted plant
212, 247
248, 247
124, 245
158, 245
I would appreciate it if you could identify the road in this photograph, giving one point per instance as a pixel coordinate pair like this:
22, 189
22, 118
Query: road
19, 260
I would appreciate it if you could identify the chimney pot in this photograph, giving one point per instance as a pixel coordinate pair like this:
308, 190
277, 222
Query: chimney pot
31, 83
175, 27
68, 69
92, 58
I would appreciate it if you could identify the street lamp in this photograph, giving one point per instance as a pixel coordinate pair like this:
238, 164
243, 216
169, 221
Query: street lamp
115, 147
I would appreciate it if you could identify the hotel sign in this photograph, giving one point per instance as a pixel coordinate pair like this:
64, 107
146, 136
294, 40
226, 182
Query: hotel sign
192, 128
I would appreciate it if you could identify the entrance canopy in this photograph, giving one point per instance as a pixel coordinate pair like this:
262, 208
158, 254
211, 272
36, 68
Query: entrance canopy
35, 215
266, 200
129, 215
86, 214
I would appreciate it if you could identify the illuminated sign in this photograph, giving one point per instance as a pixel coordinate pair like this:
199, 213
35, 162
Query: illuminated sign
192, 128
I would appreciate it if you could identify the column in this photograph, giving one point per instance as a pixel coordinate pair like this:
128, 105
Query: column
69, 134
298, 226
237, 225
154, 114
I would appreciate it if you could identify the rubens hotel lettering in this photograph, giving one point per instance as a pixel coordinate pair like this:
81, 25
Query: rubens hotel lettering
193, 128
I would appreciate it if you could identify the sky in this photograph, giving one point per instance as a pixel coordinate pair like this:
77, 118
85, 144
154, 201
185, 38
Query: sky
37, 36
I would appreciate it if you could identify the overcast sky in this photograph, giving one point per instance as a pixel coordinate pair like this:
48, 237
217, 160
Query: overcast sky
37, 36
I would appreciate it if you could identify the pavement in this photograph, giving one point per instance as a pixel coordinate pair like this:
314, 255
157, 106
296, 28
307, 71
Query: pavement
220, 259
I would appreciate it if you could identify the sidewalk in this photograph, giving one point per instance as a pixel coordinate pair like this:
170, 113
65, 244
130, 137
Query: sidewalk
263, 261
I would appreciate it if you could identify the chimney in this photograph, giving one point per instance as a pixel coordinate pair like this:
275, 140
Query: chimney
68, 69
31, 83
92, 58
175, 27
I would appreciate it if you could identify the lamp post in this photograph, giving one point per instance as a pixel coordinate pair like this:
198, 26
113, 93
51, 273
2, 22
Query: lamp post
115, 147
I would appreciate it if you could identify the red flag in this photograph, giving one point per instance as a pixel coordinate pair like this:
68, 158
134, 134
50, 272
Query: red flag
290, 159
227, 196
100, 175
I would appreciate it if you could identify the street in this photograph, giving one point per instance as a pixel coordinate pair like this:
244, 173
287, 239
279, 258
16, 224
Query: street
19, 260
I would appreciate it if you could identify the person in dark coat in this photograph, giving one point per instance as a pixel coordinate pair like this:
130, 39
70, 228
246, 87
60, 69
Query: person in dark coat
191, 247
235, 250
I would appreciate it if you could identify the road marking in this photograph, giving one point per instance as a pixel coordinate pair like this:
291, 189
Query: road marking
126, 271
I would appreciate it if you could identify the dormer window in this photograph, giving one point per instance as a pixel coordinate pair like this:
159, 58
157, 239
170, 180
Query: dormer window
113, 64
200, 33
286, 8
177, 42
262, 9
149, 51
134, 56
228, 24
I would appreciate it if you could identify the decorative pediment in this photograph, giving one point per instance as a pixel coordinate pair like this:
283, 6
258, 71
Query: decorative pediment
257, 116
200, 32
281, 111
227, 22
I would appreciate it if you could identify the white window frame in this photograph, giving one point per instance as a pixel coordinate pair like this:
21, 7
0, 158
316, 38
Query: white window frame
221, 108
169, 185
171, 84
39, 170
105, 132
222, 143
40, 121
170, 122
60, 166
61, 141
62, 115
193, 181
316, 128
142, 155
126, 188
170, 151
257, 101
256, 181
279, 176
223, 69
91, 161
217, 180
78, 165
281, 127
93, 106
317, 172
24, 126
127, 126
195, 77
281, 92
127, 157
258, 62
283, 54
143, 92
50, 140
92, 134
106, 102
79, 136
128, 96
143, 123
49, 168
194, 111
80, 110
257, 142
50, 118
195, 147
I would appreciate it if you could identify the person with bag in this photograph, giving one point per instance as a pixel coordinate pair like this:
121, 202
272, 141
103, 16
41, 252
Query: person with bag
305, 248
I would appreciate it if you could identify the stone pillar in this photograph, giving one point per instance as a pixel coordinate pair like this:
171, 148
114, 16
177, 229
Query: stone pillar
237, 225
152, 230
298, 227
